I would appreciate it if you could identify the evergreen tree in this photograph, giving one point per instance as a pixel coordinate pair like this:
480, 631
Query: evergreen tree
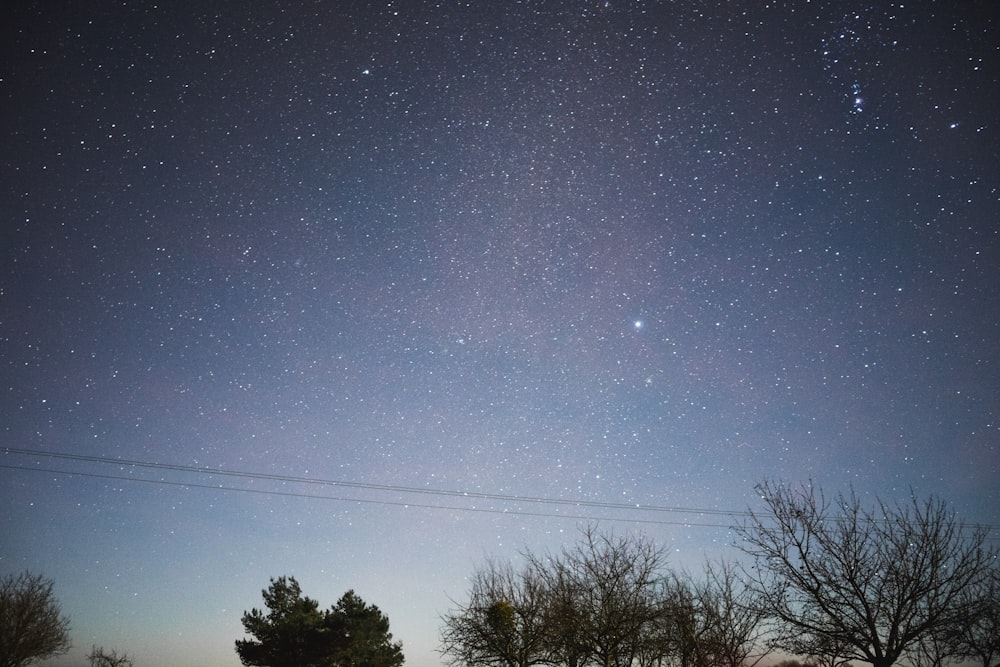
294, 632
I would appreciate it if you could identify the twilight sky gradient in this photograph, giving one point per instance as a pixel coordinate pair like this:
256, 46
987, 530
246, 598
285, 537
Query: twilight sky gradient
598, 253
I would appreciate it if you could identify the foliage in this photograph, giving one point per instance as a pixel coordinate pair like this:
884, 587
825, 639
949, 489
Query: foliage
100, 658
863, 584
365, 637
31, 623
296, 633
290, 634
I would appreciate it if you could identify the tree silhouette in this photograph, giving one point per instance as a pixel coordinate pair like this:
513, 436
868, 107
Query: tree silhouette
365, 637
296, 633
100, 658
979, 637
594, 603
732, 615
32, 626
290, 634
867, 583
503, 623
608, 586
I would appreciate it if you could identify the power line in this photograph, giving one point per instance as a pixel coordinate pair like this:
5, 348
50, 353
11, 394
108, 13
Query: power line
396, 503
367, 486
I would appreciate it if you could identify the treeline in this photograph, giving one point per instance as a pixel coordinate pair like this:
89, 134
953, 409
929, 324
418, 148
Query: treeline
608, 601
831, 581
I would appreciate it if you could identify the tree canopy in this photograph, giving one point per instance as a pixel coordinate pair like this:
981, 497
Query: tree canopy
869, 584
99, 657
833, 582
32, 626
606, 601
294, 632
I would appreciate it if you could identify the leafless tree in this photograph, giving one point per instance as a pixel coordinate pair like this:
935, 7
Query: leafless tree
714, 620
830, 654
606, 587
930, 650
684, 629
795, 662
733, 615
567, 639
870, 582
979, 637
32, 626
502, 624
100, 658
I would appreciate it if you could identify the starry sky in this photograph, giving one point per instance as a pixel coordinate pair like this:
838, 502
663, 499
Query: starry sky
369, 292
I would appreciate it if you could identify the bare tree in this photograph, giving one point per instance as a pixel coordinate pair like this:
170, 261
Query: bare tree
979, 637
869, 582
566, 638
100, 658
32, 626
714, 621
503, 623
930, 650
607, 586
830, 654
684, 630
733, 617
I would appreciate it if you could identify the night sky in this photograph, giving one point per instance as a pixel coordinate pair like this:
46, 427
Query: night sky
369, 292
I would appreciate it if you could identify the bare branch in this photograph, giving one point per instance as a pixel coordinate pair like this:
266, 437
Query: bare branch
861, 584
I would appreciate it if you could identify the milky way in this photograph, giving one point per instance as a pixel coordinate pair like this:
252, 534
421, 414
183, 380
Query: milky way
366, 293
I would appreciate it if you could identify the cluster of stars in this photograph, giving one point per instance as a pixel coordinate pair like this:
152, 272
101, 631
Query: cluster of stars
652, 252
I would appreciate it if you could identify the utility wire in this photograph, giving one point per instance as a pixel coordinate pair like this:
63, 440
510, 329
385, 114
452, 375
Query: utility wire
396, 503
365, 485
507, 498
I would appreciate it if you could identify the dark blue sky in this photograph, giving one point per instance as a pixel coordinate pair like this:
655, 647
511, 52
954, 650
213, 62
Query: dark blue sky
615, 253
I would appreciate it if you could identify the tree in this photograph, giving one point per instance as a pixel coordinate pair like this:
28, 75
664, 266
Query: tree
733, 617
593, 604
296, 633
366, 641
682, 630
606, 587
979, 637
291, 634
715, 621
100, 658
32, 626
502, 624
868, 582
566, 639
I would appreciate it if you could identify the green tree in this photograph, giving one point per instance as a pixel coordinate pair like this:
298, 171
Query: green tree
290, 634
365, 640
296, 633
32, 626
